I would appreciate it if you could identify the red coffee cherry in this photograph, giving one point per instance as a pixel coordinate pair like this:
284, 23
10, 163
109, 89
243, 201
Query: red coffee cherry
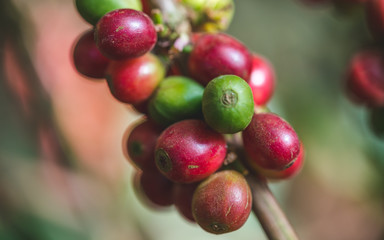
134, 80
270, 142
141, 107
261, 80
365, 79
222, 203
182, 198
125, 33
140, 145
287, 173
219, 54
189, 151
154, 189
87, 58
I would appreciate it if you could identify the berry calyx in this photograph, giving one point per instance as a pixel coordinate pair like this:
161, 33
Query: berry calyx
134, 80
219, 54
87, 58
227, 104
189, 151
222, 203
125, 33
270, 142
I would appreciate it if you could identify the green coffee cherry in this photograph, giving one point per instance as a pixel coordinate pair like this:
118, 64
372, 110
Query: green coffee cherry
93, 10
176, 98
228, 104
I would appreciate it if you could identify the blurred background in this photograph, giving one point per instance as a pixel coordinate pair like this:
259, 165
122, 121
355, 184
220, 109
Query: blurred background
63, 175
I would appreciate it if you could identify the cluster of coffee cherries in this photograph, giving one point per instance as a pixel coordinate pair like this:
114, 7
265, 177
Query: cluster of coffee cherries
200, 111
364, 81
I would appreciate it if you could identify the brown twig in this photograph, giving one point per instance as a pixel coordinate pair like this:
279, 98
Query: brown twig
273, 220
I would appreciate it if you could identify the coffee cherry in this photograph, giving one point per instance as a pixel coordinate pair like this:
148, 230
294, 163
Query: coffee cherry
219, 54
377, 121
189, 151
154, 189
261, 80
176, 98
141, 107
365, 79
270, 142
182, 198
374, 12
93, 10
87, 58
140, 145
125, 33
134, 80
287, 173
228, 104
222, 203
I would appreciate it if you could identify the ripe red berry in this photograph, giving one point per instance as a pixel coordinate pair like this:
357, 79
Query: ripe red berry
365, 79
222, 203
219, 54
287, 173
140, 145
261, 80
189, 151
182, 198
134, 80
87, 58
125, 33
270, 142
154, 189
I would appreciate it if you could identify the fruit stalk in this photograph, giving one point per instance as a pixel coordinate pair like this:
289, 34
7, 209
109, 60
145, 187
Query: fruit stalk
273, 220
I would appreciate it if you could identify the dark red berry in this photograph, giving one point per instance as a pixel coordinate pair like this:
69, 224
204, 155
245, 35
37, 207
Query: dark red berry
134, 80
261, 80
125, 33
222, 203
154, 189
287, 173
140, 145
189, 151
365, 79
219, 54
182, 198
270, 142
87, 58
141, 107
